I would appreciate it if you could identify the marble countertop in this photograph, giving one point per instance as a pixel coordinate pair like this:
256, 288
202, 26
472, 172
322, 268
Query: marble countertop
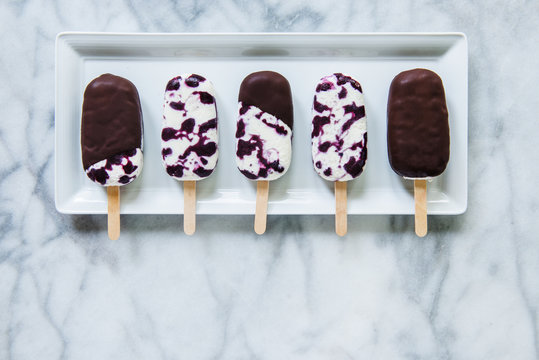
469, 290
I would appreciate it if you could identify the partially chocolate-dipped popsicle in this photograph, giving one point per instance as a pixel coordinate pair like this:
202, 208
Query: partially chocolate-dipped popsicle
111, 138
264, 133
111, 131
418, 133
264, 127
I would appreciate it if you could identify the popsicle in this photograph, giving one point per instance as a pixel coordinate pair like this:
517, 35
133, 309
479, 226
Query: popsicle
264, 134
189, 138
418, 133
111, 139
339, 137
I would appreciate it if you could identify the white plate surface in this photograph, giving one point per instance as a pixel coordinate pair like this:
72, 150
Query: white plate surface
150, 60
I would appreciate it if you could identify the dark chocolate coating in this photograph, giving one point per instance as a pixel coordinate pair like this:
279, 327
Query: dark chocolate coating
270, 92
111, 119
417, 124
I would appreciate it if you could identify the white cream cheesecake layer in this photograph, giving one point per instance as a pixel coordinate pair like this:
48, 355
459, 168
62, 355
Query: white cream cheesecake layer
117, 170
263, 144
189, 137
339, 128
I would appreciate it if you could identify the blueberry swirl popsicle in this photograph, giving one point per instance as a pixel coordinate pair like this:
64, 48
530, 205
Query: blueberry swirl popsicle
189, 138
111, 138
264, 134
418, 133
339, 136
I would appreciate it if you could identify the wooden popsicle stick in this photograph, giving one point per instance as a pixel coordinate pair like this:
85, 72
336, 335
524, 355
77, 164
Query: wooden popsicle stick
420, 196
189, 206
113, 218
262, 190
341, 221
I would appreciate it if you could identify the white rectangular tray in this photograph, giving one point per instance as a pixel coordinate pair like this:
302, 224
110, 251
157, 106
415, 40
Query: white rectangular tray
150, 60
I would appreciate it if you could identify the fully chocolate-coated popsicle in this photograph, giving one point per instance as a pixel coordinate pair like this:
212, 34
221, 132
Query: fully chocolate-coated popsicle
111, 131
264, 127
418, 133
417, 124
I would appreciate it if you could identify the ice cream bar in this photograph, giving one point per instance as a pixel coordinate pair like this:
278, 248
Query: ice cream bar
264, 126
339, 128
189, 136
111, 131
417, 125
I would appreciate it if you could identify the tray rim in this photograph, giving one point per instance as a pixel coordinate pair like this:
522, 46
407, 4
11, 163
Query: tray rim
64, 34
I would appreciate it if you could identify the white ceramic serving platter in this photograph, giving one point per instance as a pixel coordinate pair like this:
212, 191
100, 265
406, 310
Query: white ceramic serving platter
150, 60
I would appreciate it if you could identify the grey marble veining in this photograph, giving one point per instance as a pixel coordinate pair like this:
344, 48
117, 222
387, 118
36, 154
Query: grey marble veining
467, 291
